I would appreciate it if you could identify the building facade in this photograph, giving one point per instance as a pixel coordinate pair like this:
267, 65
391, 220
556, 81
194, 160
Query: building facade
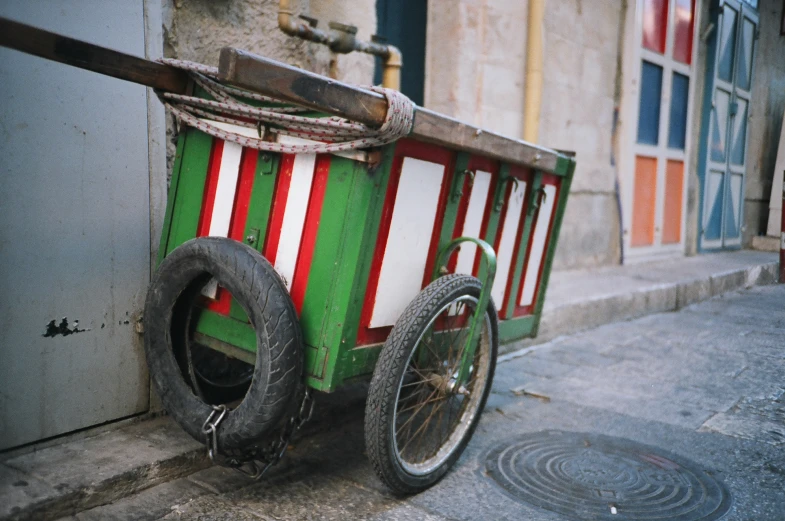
674, 108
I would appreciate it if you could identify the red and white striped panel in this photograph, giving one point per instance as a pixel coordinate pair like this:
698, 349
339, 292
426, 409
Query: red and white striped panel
472, 223
537, 248
511, 222
409, 239
297, 203
227, 193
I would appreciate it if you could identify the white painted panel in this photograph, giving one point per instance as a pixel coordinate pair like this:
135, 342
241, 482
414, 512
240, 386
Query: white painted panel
225, 189
539, 238
473, 222
294, 216
224, 201
507, 243
409, 239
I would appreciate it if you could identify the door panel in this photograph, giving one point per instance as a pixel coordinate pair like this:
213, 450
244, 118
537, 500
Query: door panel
729, 70
75, 239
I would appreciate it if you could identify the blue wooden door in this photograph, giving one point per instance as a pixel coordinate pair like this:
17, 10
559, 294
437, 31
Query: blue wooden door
724, 129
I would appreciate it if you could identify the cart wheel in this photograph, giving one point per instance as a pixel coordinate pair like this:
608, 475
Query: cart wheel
189, 377
417, 421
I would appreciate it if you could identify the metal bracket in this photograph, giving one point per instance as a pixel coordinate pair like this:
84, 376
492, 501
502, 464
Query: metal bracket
538, 197
482, 303
457, 189
499, 203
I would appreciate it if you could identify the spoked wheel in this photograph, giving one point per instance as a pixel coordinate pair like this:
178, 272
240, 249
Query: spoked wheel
420, 415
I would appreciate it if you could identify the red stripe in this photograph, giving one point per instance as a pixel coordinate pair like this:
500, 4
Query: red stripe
523, 175
206, 215
242, 198
364, 333
492, 167
433, 249
547, 179
310, 230
282, 183
500, 229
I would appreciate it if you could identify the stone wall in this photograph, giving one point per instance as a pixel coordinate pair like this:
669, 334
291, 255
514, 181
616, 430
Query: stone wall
475, 69
765, 121
475, 61
197, 30
580, 54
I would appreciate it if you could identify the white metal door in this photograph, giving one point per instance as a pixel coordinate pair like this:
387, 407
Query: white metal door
75, 239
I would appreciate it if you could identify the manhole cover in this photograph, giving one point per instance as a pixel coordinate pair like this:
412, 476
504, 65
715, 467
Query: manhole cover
595, 477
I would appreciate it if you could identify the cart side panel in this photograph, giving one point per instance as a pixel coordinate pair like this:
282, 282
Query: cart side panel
416, 207
348, 227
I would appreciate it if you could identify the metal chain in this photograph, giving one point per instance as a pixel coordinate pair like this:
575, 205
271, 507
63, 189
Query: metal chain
256, 462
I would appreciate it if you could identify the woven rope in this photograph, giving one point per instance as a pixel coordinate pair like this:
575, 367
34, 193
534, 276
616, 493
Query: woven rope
332, 134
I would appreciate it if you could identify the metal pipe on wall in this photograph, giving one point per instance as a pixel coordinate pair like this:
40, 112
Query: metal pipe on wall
533, 83
341, 39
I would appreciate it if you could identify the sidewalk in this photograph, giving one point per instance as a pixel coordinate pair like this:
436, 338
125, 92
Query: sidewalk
86, 472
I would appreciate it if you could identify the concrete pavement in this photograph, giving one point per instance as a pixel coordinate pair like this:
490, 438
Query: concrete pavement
703, 386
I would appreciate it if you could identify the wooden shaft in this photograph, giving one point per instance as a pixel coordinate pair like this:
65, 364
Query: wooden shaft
281, 81
63, 49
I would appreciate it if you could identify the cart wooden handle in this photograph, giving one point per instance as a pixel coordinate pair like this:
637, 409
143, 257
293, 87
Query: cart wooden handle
63, 49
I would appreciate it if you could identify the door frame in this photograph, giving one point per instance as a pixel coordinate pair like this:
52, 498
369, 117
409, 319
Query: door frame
633, 55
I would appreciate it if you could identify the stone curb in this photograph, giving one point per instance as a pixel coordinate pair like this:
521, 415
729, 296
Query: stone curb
658, 297
65, 479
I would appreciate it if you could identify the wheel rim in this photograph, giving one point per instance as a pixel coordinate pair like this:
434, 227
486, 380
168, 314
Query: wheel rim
432, 414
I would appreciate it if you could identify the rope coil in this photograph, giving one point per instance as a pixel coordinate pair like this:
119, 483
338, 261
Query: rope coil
331, 134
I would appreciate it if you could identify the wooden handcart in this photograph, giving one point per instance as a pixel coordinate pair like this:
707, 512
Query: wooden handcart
283, 273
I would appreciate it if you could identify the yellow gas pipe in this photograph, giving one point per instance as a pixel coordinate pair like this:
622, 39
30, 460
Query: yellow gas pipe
341, 39
533, 86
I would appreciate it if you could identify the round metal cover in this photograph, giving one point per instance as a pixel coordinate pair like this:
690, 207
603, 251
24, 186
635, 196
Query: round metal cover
595, 477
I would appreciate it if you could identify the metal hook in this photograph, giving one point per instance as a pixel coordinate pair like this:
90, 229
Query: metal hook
502, 189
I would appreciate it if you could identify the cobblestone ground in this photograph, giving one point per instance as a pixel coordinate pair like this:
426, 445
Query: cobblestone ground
703, 385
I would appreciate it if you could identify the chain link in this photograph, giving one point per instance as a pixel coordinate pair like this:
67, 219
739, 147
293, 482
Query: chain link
256, 462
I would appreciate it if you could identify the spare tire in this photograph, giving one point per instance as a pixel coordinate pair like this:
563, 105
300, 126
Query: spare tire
277, 379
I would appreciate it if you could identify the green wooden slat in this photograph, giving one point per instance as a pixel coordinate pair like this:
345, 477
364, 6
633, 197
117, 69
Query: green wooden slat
324, 275
347, 234
493, 219
521, 253
259, 207
554, 240
227, 330
451, 208
171, 197
510, 330
189, 190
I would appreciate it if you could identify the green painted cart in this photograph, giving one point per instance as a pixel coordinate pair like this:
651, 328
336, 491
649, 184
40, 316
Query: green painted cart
285, 272
319, 233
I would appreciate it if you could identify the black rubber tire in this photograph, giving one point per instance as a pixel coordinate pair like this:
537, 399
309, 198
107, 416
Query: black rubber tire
252, 281
389, 371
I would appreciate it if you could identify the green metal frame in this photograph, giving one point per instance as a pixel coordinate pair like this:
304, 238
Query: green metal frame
482, 303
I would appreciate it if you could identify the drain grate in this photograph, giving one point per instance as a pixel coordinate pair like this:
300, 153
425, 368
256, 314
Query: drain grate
590, 476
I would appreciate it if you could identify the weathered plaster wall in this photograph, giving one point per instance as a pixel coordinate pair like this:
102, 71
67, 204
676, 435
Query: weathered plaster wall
475, 61
580, 54
197, 30
475, 68
765, 122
